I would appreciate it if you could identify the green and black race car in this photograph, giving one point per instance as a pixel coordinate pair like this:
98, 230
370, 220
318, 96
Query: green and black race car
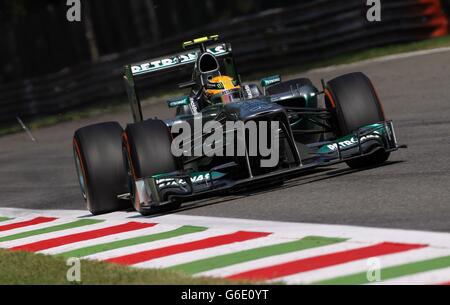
342, 121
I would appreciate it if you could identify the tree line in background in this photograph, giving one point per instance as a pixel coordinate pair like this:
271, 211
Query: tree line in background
37, 38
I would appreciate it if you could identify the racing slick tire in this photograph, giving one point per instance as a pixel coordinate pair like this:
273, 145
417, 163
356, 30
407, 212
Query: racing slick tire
100, 167
355, 103
147, 148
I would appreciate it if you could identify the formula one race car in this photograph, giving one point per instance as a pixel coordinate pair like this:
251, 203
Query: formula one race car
155, 165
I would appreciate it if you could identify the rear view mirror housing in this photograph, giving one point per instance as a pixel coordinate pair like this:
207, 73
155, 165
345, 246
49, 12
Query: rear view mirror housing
180, 101
271, 80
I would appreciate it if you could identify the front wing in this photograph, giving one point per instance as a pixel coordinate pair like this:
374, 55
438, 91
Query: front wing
166, 188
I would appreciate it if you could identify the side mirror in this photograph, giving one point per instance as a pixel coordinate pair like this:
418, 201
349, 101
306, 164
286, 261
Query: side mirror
269, 81
180, 101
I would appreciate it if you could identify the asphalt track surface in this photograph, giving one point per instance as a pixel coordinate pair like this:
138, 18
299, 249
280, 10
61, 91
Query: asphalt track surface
412, 191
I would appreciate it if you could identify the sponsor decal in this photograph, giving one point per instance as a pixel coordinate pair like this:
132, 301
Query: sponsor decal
215, 86
176, 60
349, 142
196, 178
193, 106
248, 91
352, 141
182, 101
270, 80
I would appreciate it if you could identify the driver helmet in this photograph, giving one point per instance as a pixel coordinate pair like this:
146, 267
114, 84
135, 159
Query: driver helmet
222, 89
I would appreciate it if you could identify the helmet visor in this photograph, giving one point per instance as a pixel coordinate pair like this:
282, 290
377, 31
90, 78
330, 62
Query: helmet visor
227, 97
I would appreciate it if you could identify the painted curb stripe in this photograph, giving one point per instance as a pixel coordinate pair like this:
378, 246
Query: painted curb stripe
57, 222
424, 278
35, 221
103, 256
68, 239
314, 263
253, 254
108, 239
286, 229
132, 241
281, 259
188, 257
70, 225
392, 272
355, 267
215, 241
51, 235
427, 265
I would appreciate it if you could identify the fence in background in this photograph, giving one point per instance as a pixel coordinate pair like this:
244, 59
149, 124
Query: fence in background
268, 40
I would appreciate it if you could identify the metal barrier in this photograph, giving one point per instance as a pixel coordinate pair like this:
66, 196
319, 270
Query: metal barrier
269, 40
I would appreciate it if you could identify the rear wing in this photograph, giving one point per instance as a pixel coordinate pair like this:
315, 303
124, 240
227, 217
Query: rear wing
180, 60
171, 63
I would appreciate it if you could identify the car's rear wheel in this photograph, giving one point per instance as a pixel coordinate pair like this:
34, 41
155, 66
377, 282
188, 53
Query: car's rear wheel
355, 104
147, 146
100, 167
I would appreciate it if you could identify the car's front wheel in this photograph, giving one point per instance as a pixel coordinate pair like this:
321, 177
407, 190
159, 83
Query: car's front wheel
147, 147
355, 103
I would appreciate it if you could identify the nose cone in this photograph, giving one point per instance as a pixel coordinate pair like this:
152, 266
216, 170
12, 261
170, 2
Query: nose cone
253, 109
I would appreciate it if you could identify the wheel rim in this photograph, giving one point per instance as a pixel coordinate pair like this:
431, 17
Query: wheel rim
81, 179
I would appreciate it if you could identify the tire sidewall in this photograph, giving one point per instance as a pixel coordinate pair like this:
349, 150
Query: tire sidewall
103, 170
